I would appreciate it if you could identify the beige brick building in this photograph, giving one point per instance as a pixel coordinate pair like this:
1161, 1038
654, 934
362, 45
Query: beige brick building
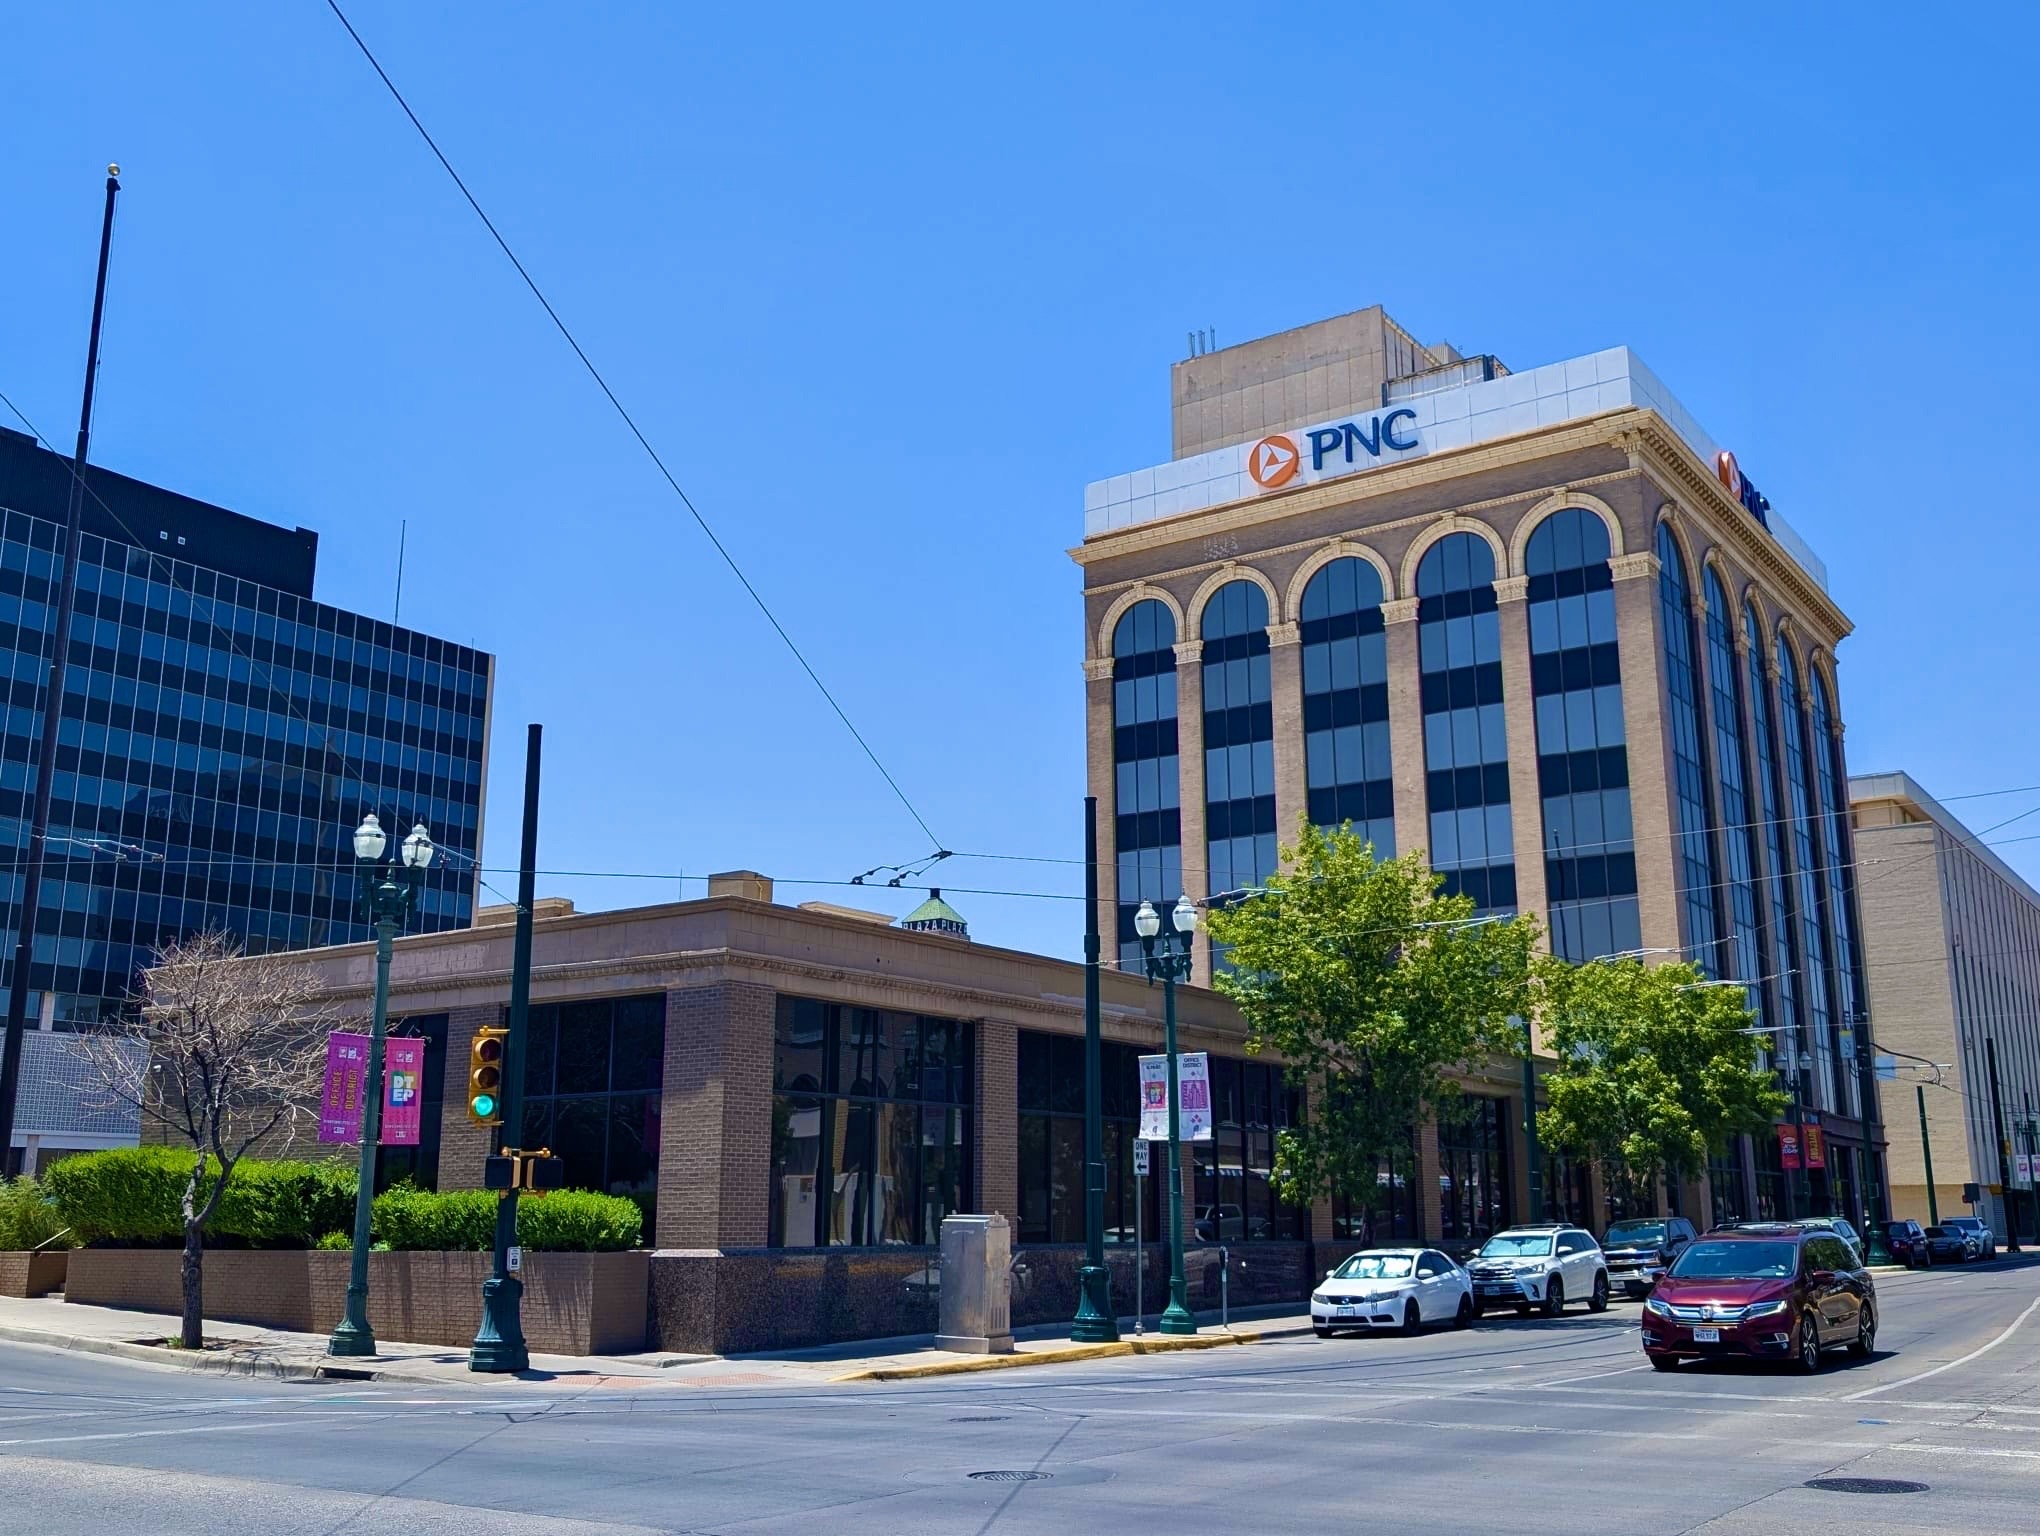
1953, 939
1537, 624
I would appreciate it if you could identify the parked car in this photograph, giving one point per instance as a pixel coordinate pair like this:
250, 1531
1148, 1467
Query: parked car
1639, 1252
1946, 1245
1539, 1266
1392, 1288
1781, 1294
1986, 1240
1908, 1244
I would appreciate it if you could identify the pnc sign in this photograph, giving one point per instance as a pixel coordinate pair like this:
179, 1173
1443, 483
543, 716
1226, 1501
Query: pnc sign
1337, 449
1738, 485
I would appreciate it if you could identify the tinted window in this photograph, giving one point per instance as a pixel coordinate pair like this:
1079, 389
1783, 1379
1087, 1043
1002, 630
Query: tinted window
1427, 1267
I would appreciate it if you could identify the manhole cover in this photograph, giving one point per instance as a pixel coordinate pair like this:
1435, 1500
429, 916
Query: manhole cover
983, 1418
1865, 1485
1012, 1477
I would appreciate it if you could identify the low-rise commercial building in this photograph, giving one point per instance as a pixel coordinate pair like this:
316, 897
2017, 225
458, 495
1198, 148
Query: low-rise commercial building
1952, 935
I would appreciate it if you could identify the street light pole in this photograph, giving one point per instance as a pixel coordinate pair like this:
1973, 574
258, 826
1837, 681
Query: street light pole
1927, 1155
1166, 963
388, 891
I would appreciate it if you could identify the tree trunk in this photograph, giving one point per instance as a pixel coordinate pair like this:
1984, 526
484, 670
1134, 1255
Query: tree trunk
193, 1336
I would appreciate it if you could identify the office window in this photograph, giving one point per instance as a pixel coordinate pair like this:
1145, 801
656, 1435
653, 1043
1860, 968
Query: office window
1582, 755
593, 1071
1347, 766
1466, 743
1739, 830
1788, 1028
1693, 819
1475, 1199
1803, 828
1239, 742
1386, 1212
1147, 808
1052, 1142
871, 1125
1824, 745
1234, 1182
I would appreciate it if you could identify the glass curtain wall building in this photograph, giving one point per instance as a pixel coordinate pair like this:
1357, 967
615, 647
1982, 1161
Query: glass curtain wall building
1466, 738
1148, 823
222, 735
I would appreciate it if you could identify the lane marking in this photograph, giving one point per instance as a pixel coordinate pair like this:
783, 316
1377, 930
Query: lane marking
1981, 1350
1566, 1381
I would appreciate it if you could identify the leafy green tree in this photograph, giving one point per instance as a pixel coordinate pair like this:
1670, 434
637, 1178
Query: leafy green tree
1656, 1065
1375, 989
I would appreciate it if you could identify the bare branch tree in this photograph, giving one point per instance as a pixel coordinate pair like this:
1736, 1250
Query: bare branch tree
224, 1051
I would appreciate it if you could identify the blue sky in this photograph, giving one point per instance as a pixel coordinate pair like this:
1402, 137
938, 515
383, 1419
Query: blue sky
886, 290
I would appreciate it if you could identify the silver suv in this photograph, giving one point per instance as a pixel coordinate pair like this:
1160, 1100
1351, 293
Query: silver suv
1539, 1266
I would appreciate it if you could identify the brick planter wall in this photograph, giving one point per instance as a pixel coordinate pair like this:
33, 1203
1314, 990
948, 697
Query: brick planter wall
574, 1303
32, 1274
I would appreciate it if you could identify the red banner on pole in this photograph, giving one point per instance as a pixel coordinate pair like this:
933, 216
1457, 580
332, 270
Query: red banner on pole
1816, 1146
1788, 1146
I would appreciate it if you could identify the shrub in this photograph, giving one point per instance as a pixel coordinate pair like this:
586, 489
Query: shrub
134, 1195
332, 1240
28, 1219
565, 1221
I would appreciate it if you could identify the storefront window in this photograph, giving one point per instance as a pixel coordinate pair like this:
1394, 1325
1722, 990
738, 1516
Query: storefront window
870, 1125
1386, 1213
592, 1077
1725, 1187
1474, 1195
1235, 1187
1052, 1141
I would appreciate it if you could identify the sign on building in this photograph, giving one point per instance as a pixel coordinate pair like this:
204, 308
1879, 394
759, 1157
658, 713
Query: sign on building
1193, 1080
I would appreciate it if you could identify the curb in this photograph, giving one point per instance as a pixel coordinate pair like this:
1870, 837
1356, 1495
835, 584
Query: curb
1140, 1346
218, 1365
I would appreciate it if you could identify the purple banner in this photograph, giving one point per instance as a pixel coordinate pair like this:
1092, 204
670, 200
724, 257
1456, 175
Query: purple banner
340, 1105
403, 1088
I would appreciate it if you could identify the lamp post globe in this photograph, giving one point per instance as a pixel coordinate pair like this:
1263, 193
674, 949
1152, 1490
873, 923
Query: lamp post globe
1147, 922
370, 839
418, 849
1184, 917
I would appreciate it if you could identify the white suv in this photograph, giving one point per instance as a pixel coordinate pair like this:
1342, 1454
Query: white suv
1539, 1266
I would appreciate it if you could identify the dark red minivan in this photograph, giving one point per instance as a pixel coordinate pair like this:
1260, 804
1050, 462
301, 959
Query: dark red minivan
1774, 1293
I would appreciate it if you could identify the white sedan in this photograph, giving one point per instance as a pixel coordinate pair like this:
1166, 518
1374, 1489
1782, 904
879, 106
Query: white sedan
1402, 1288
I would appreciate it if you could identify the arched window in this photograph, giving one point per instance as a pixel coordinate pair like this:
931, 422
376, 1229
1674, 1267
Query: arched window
1825, 748
1466, 743
1739, 831
1582, 756
1147, 823
1239, 739
1803, 821
1345, 703
1789, 1041
1691, 803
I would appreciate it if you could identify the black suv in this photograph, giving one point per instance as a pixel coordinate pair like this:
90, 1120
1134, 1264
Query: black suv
1908, 1244
1640, 1251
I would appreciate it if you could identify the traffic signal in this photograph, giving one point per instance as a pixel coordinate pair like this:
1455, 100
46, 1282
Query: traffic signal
485, 1075
543, 1172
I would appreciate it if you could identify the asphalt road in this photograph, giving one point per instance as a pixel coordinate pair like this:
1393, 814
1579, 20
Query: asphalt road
1546, 1425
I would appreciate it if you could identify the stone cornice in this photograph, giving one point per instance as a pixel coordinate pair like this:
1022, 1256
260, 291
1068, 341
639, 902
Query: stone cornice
1511, 589
1284, 634
1399, 610
1189, 652
1098, 669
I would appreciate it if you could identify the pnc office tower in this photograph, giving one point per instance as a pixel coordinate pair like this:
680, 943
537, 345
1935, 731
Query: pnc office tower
222, 735
1536, 624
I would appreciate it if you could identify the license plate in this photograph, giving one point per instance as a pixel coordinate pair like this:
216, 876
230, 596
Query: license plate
1706, 1335
1349, 1311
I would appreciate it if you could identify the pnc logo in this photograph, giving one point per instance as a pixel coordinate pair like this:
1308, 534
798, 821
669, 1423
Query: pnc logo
1274, 461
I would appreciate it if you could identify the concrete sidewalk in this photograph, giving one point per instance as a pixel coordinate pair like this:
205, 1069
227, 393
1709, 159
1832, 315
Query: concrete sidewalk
239, 1349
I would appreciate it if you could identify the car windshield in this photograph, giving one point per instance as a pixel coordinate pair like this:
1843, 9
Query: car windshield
1375, 1266
1937, 1231
1635, 1234
1514, 1245
1963, 1224
1738, 1261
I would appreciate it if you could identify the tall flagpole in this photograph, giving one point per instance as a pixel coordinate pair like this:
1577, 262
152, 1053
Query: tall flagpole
53, 709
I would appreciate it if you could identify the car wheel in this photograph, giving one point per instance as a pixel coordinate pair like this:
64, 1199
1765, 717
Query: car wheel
1554, 1296
1412, 1320
1323, 1333
1464, 1317
1599, 1300
1664, 1362
1808, 1356
1866, 1332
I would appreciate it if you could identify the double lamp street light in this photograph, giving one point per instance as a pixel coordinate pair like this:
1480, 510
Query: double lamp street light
1168, 961
388, 891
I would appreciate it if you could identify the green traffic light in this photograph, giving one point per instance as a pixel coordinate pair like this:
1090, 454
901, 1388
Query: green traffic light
485, 1104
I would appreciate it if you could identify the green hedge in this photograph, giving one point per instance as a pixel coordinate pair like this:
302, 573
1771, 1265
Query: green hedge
28, 1219
565, 1221
134, 1196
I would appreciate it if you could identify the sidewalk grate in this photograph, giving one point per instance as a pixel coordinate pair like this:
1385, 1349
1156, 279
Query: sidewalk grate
1864, 1485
